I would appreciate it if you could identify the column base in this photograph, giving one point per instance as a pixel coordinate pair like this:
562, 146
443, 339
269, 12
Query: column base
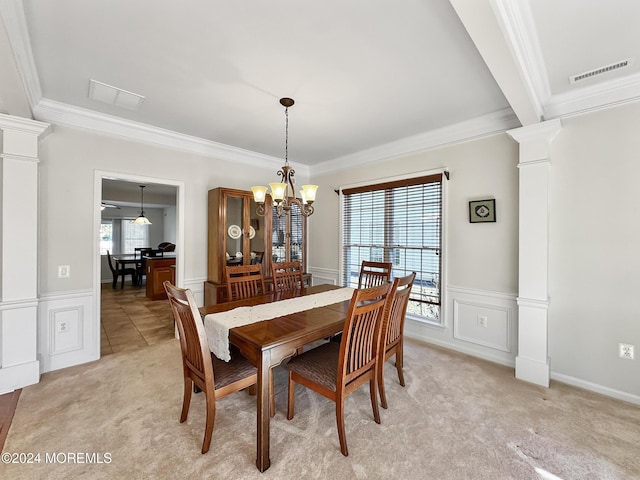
533, 371
18, 376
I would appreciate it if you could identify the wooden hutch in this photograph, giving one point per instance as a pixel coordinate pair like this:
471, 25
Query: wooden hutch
237, 235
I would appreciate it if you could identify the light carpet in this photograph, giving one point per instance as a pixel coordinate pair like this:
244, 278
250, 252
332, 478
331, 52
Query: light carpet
457, 418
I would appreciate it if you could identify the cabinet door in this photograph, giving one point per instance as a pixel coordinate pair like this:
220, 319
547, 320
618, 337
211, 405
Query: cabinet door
288, 238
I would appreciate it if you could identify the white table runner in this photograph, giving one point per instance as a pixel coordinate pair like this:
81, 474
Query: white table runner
217, 325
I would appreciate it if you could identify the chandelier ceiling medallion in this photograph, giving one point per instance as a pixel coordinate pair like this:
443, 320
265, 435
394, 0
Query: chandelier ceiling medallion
283, 193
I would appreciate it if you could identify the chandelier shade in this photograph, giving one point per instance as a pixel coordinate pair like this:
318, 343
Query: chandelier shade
283, 193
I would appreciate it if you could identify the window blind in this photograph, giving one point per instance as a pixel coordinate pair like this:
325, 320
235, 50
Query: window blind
397, 222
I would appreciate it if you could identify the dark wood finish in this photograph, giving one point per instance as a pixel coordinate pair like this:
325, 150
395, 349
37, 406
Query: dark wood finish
374, 273
215, 378
392, 336
244, 281
269, 342
121, 270
159, 270
286, 276
356, 358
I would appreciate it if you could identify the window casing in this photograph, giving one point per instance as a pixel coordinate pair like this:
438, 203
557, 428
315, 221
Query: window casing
398, 222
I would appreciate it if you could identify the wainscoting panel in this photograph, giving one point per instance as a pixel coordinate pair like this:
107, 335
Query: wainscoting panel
484, 325
321, 276
67, 332
197, 288
480, 323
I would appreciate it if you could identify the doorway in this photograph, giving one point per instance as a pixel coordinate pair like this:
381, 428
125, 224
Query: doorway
126, 318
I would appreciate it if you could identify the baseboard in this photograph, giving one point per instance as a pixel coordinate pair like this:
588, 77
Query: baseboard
597, 388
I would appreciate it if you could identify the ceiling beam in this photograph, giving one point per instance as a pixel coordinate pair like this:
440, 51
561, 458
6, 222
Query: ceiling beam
13, 98
503, 34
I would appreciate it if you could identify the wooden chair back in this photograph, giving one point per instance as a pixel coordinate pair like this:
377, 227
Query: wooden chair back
196, 357
355, 358
392, 332
361, 335
374, 273
199, 364
287, 276
244, 281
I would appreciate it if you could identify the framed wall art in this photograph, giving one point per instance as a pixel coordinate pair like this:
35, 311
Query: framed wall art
481, 211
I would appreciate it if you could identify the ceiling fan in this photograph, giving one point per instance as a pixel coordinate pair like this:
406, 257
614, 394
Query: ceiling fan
107, 205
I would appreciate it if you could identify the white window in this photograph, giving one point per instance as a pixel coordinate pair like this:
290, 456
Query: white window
121, 235
398, 222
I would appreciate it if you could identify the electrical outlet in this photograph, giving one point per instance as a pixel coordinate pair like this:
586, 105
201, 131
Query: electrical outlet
627, 351
62, 327
482, 321
64, 271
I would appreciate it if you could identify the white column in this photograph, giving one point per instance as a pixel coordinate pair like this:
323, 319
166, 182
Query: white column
532, 362
19, 365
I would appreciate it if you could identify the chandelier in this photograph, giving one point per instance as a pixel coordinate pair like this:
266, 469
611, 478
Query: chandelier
283, 193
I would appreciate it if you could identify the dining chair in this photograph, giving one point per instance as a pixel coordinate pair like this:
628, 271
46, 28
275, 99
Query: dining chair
201, 368
244, 281
121, 272
392, 336
287, 276
336, 370
374, 273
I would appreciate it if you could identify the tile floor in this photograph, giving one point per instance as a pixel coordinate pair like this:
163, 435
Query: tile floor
129, 320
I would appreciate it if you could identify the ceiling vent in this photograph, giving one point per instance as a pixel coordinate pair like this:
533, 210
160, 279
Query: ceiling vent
600, 71
111, 95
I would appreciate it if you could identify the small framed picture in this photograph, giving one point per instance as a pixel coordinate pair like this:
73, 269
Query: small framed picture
482, 211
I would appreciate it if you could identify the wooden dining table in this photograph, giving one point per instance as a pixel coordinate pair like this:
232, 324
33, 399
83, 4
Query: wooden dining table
267, 343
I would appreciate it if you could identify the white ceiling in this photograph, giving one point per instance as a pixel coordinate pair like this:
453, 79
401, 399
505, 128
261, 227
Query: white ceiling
371, 78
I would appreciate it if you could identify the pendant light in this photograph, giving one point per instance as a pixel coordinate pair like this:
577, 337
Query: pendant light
142, 220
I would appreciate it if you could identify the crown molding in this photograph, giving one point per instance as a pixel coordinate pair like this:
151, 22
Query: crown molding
594, 97
12, 12
64, 114
468, 130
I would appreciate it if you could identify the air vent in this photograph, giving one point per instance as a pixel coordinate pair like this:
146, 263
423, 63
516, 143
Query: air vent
111, 95
600, 71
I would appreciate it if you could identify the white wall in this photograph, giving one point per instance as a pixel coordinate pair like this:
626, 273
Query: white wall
69, 160
594, 272
481, 259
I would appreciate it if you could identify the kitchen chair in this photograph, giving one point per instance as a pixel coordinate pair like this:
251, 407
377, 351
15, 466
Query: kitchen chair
337, 370
374, 273
287, 276
392, 336
121, 272
214, 377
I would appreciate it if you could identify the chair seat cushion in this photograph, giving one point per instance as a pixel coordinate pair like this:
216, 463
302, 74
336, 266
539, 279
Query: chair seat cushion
226, 373
319, 365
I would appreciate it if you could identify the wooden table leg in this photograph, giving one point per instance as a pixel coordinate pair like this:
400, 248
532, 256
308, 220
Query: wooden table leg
262, 461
